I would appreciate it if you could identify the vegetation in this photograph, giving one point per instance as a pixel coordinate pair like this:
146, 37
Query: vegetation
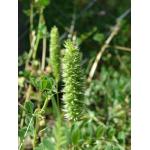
55, 53
74, 75
74, 83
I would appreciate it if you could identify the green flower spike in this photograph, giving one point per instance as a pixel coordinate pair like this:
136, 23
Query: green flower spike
55, 53
74, 82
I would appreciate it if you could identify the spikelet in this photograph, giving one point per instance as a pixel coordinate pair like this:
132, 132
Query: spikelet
74, 82
55, 53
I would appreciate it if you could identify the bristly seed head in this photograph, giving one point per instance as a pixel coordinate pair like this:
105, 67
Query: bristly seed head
55, 53
74, 82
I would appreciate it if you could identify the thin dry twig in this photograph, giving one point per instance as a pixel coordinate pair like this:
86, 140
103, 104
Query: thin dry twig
43, 53
106, 44
26, 99
99, 55
121, 48
31, 49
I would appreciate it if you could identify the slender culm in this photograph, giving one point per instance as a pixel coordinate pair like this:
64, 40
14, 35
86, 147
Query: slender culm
74, 82
55, 52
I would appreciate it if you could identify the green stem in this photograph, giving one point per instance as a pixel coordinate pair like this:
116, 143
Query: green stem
41, 112
31, 35
27, 98
57, 94
26, 133
44, 106
31, 49
38, 34
55, 108
31, 16
36, 132
36, 45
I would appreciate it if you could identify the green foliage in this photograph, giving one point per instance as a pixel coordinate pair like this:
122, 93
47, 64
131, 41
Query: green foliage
42, 3
29, 106
55, 52
98, 37
74, 82
43, 83
75, 134
47, 144
59, 132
